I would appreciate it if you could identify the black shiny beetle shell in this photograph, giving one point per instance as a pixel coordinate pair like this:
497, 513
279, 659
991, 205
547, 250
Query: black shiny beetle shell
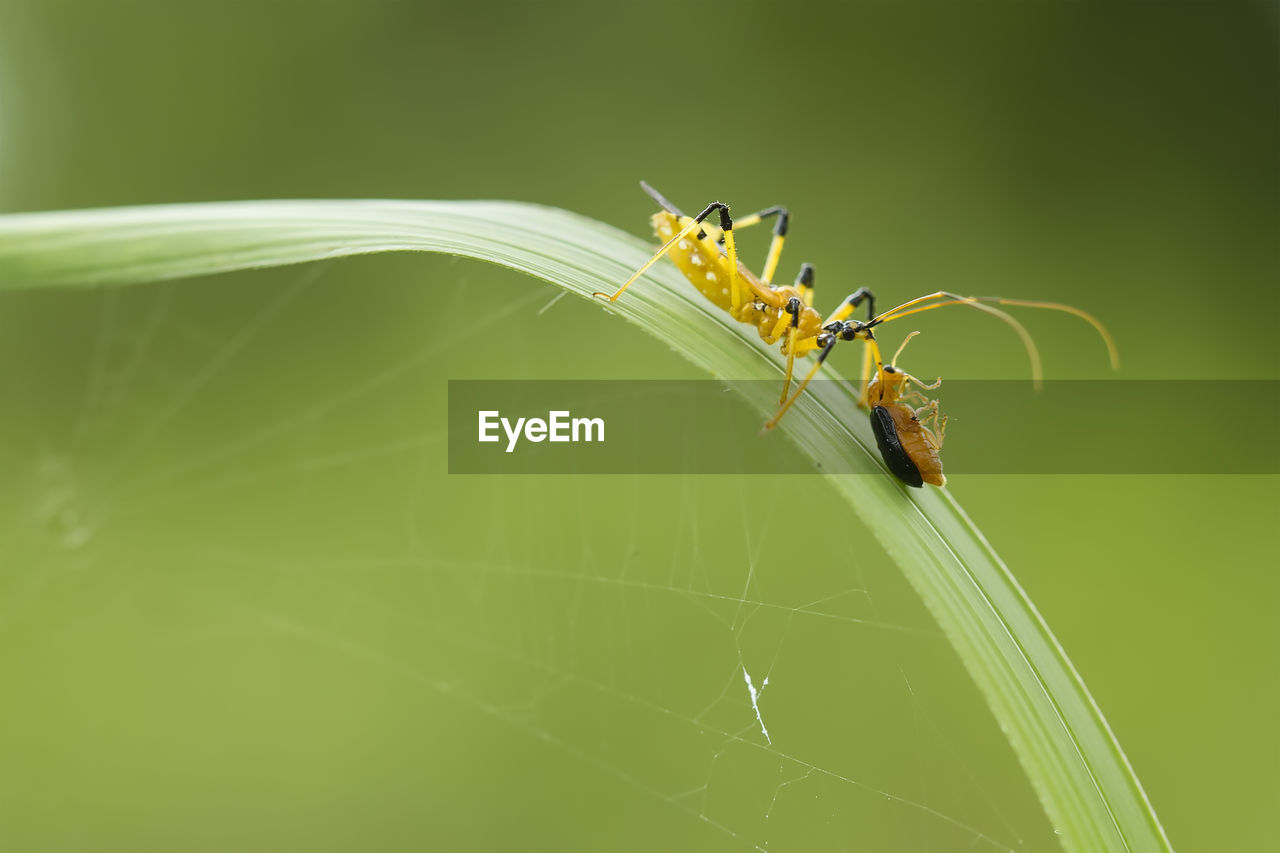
891, 450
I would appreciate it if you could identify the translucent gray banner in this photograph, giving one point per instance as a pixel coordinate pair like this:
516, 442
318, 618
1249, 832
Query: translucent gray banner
994, 427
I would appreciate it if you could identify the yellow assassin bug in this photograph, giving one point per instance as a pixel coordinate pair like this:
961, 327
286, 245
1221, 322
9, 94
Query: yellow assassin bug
785, 312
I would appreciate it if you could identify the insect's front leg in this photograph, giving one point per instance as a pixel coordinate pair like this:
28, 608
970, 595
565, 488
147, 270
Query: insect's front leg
871, 355
826, 341
851, 303
936, 384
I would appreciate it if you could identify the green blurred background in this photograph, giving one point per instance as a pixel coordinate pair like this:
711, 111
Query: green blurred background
242, 605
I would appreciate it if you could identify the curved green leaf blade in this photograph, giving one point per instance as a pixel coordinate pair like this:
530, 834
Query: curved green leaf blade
1075, 764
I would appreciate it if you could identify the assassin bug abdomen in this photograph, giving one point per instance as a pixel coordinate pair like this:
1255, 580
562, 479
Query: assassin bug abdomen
764, 306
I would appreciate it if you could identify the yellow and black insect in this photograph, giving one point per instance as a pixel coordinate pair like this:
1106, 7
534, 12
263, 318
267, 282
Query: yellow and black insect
706, 253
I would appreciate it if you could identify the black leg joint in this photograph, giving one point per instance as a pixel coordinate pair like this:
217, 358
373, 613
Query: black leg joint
805, 278
784, 222
781, 224
863, 295
726, 223
724, 214
793, 308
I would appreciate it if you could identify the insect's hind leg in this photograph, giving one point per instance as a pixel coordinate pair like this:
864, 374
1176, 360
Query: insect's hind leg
780, 226
726, 226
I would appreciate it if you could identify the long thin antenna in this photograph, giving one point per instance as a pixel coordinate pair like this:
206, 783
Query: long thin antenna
901, 347
1113, 353
914, 306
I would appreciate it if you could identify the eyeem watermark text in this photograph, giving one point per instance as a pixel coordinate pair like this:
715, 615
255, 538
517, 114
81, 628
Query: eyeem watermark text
559, 426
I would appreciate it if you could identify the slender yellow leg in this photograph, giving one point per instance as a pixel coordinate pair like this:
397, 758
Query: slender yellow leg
793, 308
666, 247
787, 404
871, 363
791, 314
725, 222
731, 251
791, 364
804, 284
868, 364
851, 302
725, 234
779, 236
779, 328
813, 371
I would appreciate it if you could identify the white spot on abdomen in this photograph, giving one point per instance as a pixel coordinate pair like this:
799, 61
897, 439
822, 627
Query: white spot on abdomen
696, 259
684, 244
